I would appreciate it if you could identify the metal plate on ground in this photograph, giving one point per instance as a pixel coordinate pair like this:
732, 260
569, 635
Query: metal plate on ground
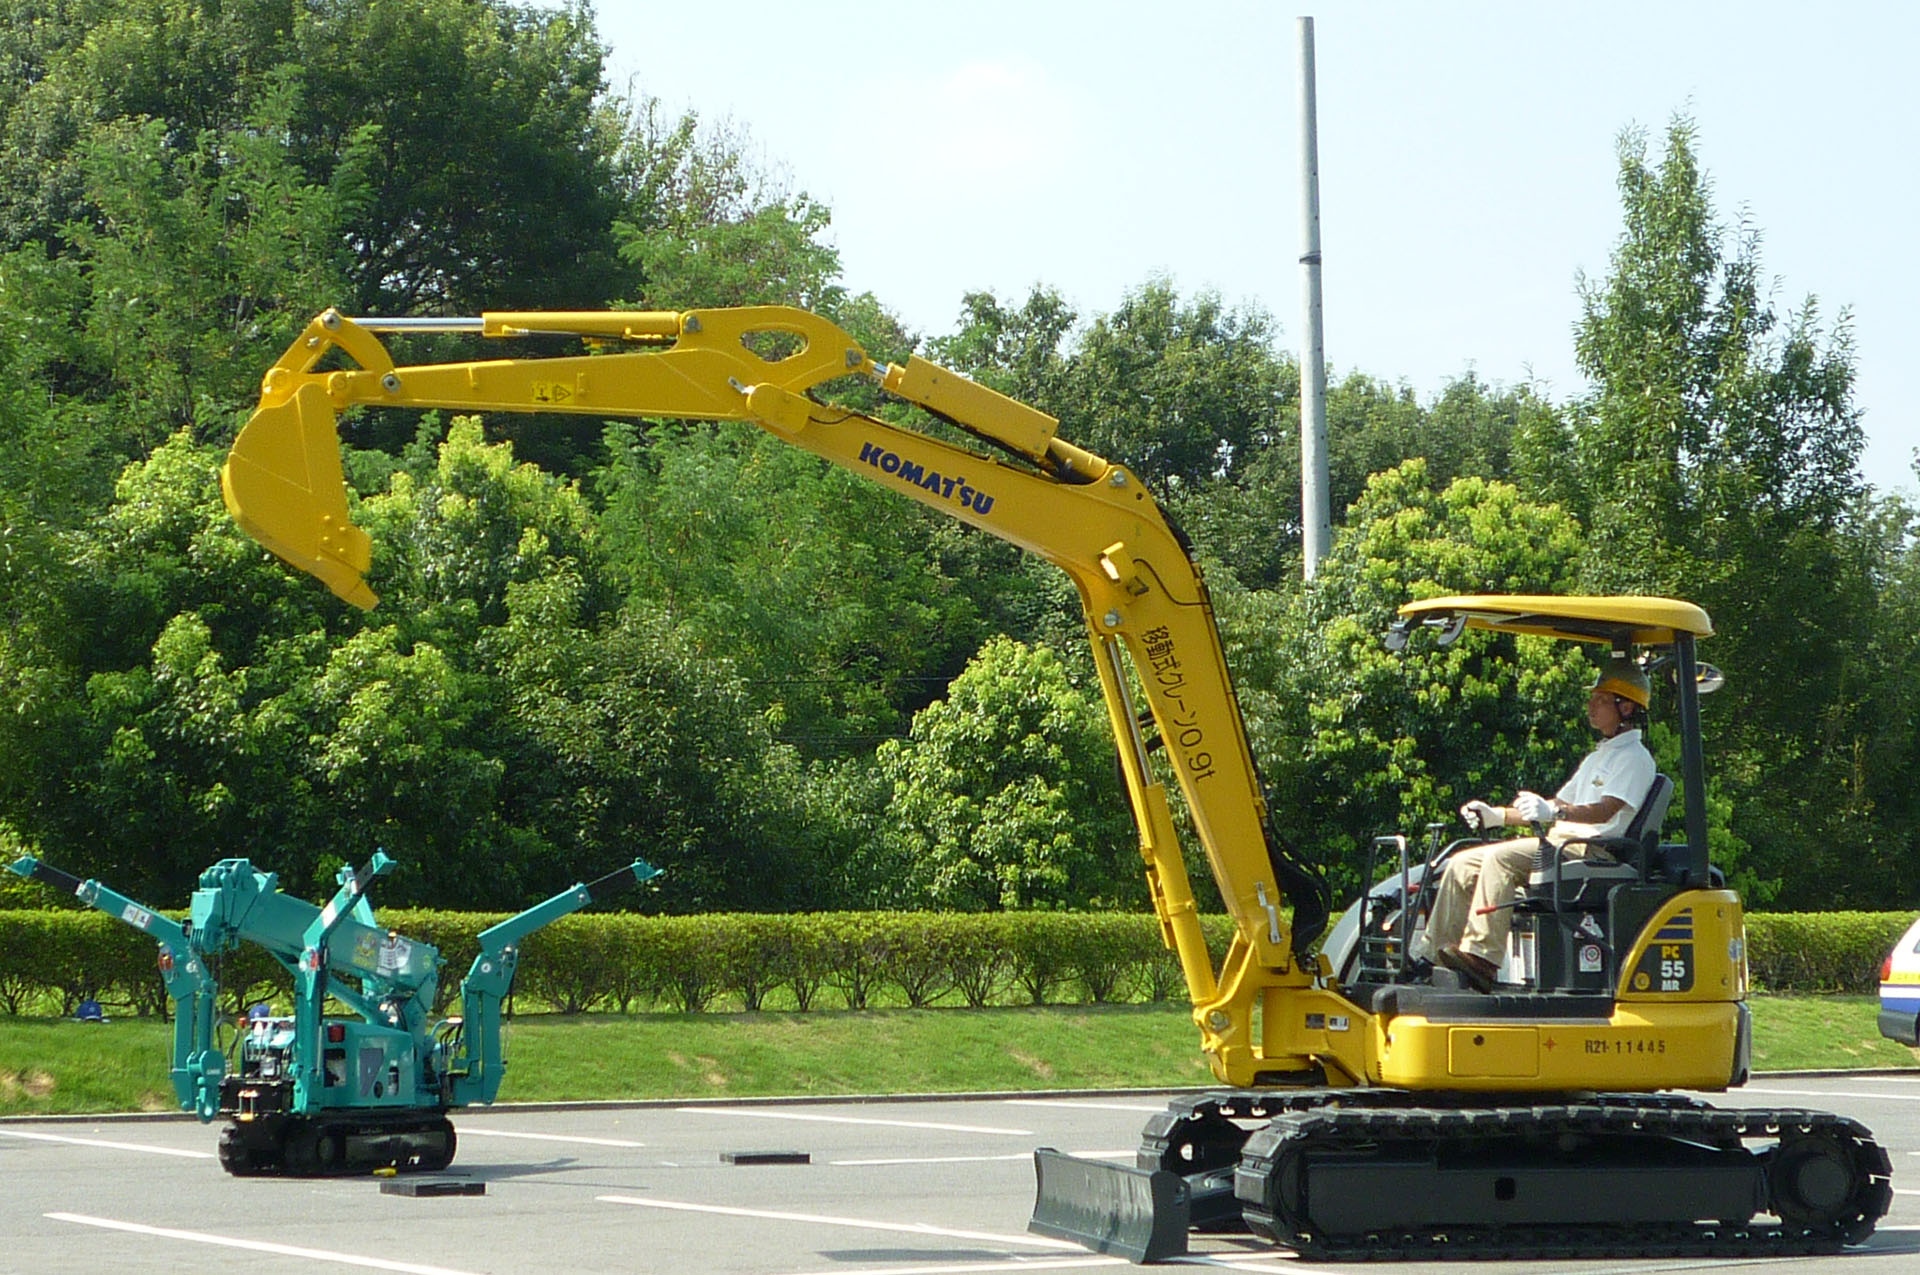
765, 1157
431, 1186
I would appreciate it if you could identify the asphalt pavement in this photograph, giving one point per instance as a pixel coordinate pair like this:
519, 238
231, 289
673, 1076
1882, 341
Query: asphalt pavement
924, 1186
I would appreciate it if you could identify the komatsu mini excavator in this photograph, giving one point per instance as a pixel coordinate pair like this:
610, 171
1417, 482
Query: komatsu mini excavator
1363, 1111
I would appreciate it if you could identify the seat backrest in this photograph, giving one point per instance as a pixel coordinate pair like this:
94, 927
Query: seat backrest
1644, 829
1637, 849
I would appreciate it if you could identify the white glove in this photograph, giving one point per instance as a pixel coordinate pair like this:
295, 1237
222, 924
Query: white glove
1480, 816
1534, 808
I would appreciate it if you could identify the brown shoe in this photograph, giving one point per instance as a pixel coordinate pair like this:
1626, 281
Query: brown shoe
1479, 972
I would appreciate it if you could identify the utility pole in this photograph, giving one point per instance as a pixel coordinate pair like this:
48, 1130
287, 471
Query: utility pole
1316, 517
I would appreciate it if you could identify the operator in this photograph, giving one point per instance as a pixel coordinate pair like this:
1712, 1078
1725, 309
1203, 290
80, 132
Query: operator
1472, 909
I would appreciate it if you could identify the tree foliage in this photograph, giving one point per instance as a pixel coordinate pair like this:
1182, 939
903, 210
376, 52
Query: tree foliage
1004, 796
785, 685
705, 227
1360, 742
826, 591
1716, 459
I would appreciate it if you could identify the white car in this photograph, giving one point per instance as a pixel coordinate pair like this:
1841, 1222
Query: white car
1900, 989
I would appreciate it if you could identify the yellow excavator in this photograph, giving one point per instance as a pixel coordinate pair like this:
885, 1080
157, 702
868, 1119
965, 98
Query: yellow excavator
1367, 1107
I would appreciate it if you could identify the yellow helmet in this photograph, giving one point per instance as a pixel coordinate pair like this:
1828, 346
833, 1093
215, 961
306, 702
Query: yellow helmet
1623, 678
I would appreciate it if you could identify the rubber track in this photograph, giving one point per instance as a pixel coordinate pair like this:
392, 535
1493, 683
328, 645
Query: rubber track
244, 1156
1166, 1132
1312, 1122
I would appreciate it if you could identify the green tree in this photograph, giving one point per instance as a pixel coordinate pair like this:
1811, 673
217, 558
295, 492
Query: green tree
188, 277
1020, 352
706, 227
488, 168
621, 738
188, 181
72, 65
608, 730
1179, 393
1885, 749
501, 725
159, 313
1715, 459
136, 715
1251, 522
1358, 742
826, 591
1004, 796
474, 132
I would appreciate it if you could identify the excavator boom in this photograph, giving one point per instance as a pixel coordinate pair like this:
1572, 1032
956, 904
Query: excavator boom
1139, 588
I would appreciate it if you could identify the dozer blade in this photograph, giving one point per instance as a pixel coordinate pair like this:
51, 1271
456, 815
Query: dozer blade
1139, 1214
283, 484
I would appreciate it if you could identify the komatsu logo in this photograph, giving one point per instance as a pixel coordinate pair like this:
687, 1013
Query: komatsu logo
955, 489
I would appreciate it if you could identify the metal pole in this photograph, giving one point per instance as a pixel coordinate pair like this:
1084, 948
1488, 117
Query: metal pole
1693, 766
1316, 517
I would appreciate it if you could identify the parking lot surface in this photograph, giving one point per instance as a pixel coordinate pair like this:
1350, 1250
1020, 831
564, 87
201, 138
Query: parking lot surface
899, 1187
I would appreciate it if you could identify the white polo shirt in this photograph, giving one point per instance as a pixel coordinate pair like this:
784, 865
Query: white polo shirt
1620, 767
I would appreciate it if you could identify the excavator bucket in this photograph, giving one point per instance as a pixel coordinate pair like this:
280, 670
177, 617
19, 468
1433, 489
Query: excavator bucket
1139, 1214
283, 484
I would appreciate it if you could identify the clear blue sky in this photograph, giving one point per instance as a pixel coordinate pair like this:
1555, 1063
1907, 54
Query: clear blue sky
1467, 159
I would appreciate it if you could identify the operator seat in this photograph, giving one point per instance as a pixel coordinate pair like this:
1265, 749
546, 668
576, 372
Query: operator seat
1576, 904
1559, 884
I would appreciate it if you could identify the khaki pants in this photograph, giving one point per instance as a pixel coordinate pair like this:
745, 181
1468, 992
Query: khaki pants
1473, 907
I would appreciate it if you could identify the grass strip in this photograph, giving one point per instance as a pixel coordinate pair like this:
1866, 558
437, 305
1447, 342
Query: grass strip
50, 1066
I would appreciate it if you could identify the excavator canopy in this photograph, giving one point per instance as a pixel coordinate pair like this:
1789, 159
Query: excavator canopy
1639, 621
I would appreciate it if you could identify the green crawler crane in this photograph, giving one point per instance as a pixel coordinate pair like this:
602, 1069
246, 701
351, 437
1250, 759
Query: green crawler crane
317, 1095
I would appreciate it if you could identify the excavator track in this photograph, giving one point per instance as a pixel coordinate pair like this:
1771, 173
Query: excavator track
1383, 1175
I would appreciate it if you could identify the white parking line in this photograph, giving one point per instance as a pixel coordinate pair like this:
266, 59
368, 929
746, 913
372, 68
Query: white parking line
1832, 1093
103, 1142
983, 1159
468, 1131
1084, 1105
257, 1246
758, 1114
935, 1159
1259, 1263
859, 1223
1011, 1264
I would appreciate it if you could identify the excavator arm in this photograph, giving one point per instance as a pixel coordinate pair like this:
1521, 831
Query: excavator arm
1140, 590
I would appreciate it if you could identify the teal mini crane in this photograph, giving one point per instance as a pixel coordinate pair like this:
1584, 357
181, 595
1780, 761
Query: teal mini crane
312, 1094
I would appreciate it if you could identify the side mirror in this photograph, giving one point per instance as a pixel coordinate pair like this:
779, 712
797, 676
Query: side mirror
1450, 630
1706, 678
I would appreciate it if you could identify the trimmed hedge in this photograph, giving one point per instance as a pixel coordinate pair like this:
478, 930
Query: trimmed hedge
1821, 951
624, 962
